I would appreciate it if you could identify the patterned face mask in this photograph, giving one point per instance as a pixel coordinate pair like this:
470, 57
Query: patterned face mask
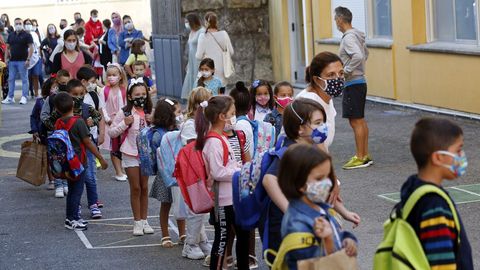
319, 191
319, 135
334, 87
459, 165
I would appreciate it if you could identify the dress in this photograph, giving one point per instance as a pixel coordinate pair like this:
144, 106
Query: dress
192, 66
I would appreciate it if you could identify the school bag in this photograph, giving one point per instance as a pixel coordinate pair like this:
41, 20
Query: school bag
291, 241
250, 198
106, 93
146, 152
263, 135
191, 175
400, 248
62, 159
167, 154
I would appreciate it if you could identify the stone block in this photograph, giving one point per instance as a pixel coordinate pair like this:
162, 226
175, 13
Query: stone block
195, 5
245, 3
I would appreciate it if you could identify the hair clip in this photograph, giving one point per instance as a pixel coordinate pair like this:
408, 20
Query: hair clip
204, 104
53, 75
169, 102
256, 83
293, 110
114, 65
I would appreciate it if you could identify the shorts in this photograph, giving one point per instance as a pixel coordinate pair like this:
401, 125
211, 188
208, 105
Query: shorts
130, 161
353, 103
36, 70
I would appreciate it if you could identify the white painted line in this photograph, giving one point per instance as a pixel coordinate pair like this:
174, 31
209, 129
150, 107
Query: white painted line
116, 242
472, 201
466, 191
128, 246
109, 219
173, 227
388, 199
84, 239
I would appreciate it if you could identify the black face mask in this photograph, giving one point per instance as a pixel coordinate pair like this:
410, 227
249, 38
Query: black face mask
78, 101
139, 101
62, 26
62, 88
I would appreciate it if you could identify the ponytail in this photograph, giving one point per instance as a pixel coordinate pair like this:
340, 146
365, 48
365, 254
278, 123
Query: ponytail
308, 77
201, 127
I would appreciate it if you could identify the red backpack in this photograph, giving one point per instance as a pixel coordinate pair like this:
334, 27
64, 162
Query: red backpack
191, 175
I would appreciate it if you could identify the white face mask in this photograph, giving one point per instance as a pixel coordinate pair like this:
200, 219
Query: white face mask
92, 87
129, 26
70, 45
51, 30
187, 26
206, 74
18, 27
179, 119
319, 191
94, 19
28, 27
231, 125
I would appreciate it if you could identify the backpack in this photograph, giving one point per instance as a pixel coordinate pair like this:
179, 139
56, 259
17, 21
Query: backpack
95, 98
167, 154
400, 248
291, 241
62, 159
118, 141
106, 92
147, 155
263, 135
250, 198
191, 175
85, 107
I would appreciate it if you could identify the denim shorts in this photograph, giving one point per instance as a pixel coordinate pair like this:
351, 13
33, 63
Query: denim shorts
37, 69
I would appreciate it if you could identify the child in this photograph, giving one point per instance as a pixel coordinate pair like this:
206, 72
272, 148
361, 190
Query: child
164, 120
196, 244
38, 130
241, 95
137, 53
210, 121
306, 178
437, 147
79, 135
261, 95
114, 96
283, 95
303, 122
206, 71
139, 72
130, 120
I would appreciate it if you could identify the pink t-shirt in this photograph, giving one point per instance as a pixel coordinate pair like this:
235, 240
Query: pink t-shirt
73, 67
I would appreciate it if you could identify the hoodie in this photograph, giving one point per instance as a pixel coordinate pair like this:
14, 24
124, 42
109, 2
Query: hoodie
354, 54
433, 222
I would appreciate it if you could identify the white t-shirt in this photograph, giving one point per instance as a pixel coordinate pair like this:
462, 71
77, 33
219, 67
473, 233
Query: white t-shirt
245, 126
101, 104
329, 110
187, 131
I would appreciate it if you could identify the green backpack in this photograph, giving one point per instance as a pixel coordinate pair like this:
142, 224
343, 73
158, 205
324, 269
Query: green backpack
400, 248
292, 241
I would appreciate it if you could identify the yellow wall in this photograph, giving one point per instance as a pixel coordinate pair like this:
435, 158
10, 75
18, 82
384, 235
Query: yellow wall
279, 39
435, 79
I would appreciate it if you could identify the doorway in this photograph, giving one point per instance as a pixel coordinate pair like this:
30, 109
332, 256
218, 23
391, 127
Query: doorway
297, 40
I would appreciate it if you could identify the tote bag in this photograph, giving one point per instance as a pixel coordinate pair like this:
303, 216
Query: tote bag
228, 68
32, 165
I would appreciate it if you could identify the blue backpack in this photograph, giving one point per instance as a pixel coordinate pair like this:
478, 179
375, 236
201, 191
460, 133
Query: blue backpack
250, 198
147, 151
263, 135
167, 155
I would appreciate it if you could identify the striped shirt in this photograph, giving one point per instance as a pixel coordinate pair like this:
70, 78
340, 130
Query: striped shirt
235, 144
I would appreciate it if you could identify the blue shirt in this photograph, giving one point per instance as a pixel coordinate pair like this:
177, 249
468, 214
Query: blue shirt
112, 40
213, 85
300, 217
124, 51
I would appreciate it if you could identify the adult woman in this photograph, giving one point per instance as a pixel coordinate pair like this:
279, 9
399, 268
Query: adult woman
48, 45
35, 67
108, 44
192, 23
212, 43
126, 37
71, 58
324, 68
117, 26
7, 23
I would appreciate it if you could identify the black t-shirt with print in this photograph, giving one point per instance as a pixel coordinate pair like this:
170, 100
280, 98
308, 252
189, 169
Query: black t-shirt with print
77, 133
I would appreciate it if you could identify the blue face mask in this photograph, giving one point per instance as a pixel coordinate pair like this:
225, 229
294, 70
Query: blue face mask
459, 165
319, 134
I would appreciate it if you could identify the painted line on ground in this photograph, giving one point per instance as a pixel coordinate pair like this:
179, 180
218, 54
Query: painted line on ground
110, 219
472, 201
387, 198
6, 139
84, 239
466, 191
116, 242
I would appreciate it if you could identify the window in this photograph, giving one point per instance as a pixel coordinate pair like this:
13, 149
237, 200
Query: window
454, 21
381, 18
358, 11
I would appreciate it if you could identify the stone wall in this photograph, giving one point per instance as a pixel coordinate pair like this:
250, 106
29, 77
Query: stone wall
246, 22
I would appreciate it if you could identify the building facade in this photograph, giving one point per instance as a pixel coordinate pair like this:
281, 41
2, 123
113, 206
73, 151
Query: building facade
421, 51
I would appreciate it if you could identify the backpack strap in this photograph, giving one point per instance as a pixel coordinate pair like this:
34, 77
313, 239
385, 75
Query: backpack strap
226, 153
95, 98
424, 190
254, 125
85, 111
60, 124
242, 140
106, 92
123, 91
292, 241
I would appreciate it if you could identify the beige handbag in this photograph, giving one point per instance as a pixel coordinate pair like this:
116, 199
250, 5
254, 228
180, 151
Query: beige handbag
338, 261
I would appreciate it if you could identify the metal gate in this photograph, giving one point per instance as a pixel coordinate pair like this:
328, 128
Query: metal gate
167, 46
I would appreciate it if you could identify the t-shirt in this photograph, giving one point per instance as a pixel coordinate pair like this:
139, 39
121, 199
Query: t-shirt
101, 104
77, 133
19, 42
140, 57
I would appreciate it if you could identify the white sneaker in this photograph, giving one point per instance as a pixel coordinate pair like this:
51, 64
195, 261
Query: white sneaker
146, 227
122, 178
65, 190
23, 101
59, 193
138, 228
206, 247
8, 101
192, 252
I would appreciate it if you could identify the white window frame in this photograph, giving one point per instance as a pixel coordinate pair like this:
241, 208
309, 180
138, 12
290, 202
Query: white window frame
429, 9
371, 21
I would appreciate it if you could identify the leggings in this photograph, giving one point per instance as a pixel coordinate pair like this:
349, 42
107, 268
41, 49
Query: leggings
226, 219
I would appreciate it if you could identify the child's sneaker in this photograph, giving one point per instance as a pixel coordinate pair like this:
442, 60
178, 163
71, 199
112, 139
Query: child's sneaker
75, 225
51, 185
146, 227
206, 247
95, 213
59, 193
206, 262
138, 228
192, 252
99, 204
65, 190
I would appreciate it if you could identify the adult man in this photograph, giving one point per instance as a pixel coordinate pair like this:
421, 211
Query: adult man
93, 28
63, 24
19, 52
354, 53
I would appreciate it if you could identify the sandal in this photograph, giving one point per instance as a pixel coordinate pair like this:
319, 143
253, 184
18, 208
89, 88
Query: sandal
253, 262
167, 242
182, 239
230, 261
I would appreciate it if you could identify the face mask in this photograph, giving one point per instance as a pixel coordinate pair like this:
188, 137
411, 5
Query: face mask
34, 28
62, 88
334, 86
116, 21
78, 101
206, 74
319, 191
187, 26
62, 26
459, 165
18, 27
70, 45
283, 102
94, 19
28, 27
113, 79
91, 87
179, 119
262, 99
231, 125
54, 90
129, 26
51, 30
139, 101
319, 135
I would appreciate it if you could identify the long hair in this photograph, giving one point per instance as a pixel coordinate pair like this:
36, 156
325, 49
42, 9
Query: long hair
205, 62
118, 28
242, 98
211, 20
148, 105
253, 94
194, 21
67, 34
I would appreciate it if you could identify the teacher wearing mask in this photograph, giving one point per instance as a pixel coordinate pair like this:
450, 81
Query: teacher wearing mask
71, 58
193, 24
126, 38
